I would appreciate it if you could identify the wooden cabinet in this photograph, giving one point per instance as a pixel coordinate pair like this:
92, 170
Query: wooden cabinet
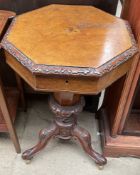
130, 125
120, 122
9, 95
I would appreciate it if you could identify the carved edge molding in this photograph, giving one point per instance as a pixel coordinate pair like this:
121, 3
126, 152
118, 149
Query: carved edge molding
67, 70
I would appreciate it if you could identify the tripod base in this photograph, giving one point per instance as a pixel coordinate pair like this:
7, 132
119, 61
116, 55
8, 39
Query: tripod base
65, 127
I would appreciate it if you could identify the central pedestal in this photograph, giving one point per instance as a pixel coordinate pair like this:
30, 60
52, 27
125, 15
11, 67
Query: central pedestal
66, 106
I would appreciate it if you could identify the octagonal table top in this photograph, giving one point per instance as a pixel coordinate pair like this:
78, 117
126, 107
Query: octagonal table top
69, 40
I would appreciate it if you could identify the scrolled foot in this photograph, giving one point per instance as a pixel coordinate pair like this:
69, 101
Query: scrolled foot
100, 167
27, 155
27, 161
85, 139
99, 159
44, 136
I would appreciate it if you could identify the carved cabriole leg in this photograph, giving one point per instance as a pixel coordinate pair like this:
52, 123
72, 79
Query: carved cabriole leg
66, 106
85, 139
44, 136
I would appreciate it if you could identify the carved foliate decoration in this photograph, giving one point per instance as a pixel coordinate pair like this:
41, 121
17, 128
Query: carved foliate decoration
69, 70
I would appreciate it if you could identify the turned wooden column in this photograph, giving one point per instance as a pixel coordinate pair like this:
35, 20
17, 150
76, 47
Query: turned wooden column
66, 98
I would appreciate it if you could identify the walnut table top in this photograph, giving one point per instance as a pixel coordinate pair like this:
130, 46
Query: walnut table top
69, 41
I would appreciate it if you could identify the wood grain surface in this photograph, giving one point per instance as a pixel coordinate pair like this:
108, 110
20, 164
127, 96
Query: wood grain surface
79, 36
